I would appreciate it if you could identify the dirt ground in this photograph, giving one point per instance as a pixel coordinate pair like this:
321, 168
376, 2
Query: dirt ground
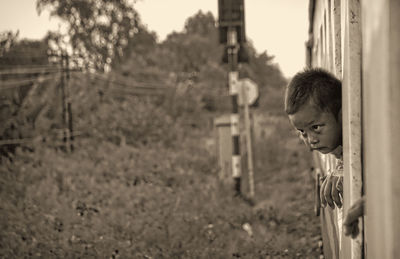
118, 201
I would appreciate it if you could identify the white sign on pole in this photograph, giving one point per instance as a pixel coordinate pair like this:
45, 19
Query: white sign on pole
251, 89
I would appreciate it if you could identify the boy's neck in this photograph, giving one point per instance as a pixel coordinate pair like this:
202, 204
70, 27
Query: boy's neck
338, 152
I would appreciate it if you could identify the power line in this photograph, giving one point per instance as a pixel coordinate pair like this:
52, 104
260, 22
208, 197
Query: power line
23, 57
136, 91
132, 85
16, 141
127, 90
4, 142
17, 83
25, 71
26, 66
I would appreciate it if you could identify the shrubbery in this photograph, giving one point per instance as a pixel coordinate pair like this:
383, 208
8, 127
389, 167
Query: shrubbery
154, 200
142, 180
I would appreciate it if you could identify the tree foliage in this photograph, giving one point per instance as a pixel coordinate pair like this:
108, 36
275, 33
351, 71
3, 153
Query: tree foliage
18, 90
7, 40
98, 30
187, 64
196, 54
141, 182
23, 52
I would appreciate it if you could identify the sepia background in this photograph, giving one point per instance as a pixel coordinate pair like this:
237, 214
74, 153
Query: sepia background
108, 139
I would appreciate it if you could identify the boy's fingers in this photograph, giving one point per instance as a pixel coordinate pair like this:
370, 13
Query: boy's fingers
354, 230
347, 229
335, 196
355, 211
339, 184
349, 219
327, 192
351, 229
350, 222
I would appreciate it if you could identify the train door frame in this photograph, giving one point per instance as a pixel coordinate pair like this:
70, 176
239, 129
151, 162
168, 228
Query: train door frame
335, 44
381, 126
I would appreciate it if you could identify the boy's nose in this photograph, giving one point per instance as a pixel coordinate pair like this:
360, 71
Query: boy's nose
312, 140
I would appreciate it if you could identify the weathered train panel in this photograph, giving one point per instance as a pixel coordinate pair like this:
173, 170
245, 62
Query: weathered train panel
381, 126
335, 44
362, 49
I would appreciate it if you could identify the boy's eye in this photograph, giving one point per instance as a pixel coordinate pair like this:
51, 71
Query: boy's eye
316, 127
302, 132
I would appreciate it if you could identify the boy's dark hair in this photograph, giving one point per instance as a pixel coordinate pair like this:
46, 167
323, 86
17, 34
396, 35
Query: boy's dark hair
316, 83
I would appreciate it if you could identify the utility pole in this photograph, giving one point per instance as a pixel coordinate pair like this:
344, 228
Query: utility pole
69, 109
232, 33
66, 104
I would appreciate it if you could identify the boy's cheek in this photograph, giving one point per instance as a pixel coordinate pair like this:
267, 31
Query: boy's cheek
305, 142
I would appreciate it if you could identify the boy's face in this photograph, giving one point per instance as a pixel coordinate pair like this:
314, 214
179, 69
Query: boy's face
320, 130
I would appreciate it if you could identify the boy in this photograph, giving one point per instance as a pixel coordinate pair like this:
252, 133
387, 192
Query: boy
313, 102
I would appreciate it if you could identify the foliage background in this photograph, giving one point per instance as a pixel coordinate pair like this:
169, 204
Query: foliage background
142, 181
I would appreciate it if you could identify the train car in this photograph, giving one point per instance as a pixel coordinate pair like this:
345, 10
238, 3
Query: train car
358, 41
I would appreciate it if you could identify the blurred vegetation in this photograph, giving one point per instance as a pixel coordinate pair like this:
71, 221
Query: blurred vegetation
142, 180
98, 30
107, 200
187, 65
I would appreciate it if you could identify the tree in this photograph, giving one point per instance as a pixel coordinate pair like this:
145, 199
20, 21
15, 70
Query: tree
7, 40
194, 47
202, 24
16, 52
138, 54
24, 65
98, 30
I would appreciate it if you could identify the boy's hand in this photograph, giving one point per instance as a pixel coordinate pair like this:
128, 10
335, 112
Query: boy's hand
331, 190
350, 223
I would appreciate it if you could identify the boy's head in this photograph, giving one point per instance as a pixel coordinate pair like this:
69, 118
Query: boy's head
313, 101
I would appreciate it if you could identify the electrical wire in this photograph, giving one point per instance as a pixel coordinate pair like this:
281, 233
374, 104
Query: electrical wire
26, 71
132, 85
4, 142
18, 83
26, 66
